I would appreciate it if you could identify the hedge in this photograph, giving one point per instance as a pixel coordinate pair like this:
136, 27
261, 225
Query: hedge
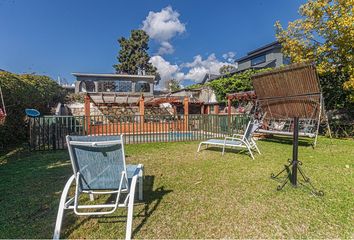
23, 91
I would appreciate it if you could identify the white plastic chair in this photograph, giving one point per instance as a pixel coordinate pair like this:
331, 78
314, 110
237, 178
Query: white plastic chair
237, 140
99, 167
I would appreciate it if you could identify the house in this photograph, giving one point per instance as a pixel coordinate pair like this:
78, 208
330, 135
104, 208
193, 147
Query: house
112, 94
267, 56
204, 95
120, 84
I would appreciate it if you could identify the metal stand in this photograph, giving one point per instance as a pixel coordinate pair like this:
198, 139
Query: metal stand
294, 166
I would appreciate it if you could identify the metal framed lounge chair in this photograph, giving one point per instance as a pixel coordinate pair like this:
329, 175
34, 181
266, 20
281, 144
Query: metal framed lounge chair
237, 140
99, 167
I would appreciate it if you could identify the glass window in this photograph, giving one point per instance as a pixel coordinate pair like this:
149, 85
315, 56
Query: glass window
142, 86
123, 86
258, 60
87, 86
286, 60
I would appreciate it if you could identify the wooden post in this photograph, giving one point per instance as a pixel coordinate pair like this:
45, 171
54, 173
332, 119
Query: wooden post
228, 106
229, 113
186, 110
216, 109
87, 113
202, 109
141, 111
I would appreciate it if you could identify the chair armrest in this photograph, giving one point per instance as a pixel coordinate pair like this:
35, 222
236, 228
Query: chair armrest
237, 139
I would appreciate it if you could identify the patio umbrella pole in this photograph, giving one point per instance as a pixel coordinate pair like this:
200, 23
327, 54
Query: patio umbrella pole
295, 165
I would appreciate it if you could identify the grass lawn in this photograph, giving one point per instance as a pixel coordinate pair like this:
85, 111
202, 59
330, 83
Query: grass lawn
191, 196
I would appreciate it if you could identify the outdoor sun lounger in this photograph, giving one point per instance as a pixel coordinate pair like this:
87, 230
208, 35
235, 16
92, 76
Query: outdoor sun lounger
237, 140
99, 167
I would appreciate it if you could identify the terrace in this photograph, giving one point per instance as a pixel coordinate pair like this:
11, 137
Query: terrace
189, 195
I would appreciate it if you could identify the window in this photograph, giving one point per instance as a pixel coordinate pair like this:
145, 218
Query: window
123, 86
258, 60
142, 86
286, 60
106, 86
87, 86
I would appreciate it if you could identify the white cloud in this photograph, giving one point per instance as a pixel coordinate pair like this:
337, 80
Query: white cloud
163, 26
166, 69
229, 56
196, 74
199, 67
166, 48
195, 70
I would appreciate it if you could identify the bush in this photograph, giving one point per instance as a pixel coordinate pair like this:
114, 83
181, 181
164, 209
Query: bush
21, 92
237, 82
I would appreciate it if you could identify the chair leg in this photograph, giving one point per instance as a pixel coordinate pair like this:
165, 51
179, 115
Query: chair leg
250, 151
257, 149
200, 144
60, 215
255, 145
92, 198
141, 183
128, 231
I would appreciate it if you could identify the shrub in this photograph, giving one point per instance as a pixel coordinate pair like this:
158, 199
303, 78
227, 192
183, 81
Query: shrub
21, 92
236, 82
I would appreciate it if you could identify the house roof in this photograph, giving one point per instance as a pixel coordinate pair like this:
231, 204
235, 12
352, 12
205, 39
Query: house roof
113, 75
260, 50
115, 98
172, 100
209, 77
186, 90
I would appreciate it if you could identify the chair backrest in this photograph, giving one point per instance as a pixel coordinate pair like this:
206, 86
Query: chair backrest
100, 160
250, 129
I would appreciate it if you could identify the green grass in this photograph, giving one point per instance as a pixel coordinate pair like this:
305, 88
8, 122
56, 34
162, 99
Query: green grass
191, 196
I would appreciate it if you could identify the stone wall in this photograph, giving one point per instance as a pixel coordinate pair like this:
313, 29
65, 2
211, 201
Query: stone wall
116, 113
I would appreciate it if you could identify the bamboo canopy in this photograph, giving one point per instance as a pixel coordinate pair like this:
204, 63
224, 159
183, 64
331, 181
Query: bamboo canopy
287, 92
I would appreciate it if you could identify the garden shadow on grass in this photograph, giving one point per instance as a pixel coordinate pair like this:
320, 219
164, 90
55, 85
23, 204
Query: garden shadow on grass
151, 200
227, 150
288, 140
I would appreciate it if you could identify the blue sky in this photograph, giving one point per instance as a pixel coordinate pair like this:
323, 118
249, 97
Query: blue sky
189, 38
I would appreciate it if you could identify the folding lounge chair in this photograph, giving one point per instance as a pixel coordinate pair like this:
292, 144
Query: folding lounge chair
99, 167
237, 140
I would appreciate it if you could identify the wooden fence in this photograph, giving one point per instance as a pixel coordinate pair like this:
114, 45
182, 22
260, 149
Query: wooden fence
48, 132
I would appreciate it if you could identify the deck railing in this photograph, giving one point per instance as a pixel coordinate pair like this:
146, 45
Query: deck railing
48, 132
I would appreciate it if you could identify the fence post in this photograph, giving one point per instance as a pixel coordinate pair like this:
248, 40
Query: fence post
87, 113
229, 113
216, 109
141, 108
186, 112
54, 137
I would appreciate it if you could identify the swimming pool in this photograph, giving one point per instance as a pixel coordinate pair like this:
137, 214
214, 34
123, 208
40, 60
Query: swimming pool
168, 137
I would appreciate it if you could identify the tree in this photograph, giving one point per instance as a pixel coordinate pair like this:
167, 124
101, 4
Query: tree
172, 85
133, 55
324, 35
226, 69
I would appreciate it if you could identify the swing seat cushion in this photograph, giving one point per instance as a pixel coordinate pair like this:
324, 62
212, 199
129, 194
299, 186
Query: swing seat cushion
301, 134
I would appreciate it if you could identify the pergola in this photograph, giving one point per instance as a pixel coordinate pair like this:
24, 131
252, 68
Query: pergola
110, 99
240, 96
